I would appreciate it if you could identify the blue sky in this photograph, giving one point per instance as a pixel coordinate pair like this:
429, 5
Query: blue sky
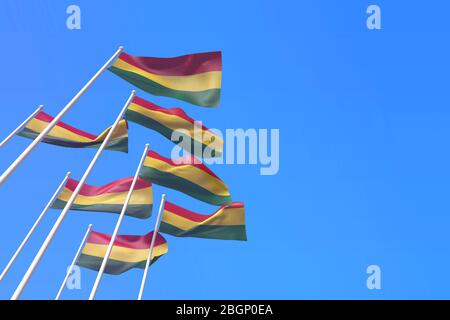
363, 118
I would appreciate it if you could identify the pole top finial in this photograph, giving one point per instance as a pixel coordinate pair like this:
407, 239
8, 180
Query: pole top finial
68, 174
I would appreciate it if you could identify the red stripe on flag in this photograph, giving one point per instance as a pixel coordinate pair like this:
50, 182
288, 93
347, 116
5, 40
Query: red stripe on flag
177, 66
178, 112
179, 211
127, 241
47, 118
188, 160
121, 185
197, 217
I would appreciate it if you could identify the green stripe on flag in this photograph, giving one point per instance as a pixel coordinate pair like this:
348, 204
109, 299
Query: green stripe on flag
174, 182
207, 231
206, 98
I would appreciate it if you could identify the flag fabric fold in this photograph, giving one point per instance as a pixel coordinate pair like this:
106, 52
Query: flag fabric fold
129, 251
67, 136
195, 78
187, 175
227, 223
110, 197
166, 121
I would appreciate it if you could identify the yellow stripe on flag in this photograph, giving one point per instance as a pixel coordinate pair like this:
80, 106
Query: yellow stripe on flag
174, 122
37, 125
190, 173
197, 82
226, 217
141, 196
122, 253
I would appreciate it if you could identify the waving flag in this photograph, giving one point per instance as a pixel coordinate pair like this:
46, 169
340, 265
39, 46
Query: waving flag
110, 197
128, 252
166, 121
195, 78
227, 223
67, 136
186, 175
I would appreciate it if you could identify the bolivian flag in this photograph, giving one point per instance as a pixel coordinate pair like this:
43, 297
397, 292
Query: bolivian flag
195, 78
186, 175
128, 252
110, 197
166, 121
67, 136
227, 223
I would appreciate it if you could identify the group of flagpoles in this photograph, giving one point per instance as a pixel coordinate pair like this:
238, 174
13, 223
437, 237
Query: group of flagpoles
152, 244
106, 258
66, 209
69, 203
116, 229
77, 255
35, 225
22, 125
57, 118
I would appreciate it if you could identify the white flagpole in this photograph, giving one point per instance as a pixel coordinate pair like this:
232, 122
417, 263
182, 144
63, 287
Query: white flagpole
77, 255
35, 225
69, 203
116, 229
21, 126
152, 244
50, 126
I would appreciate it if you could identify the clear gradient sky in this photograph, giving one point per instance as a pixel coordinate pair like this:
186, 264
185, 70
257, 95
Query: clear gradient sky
364, 160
